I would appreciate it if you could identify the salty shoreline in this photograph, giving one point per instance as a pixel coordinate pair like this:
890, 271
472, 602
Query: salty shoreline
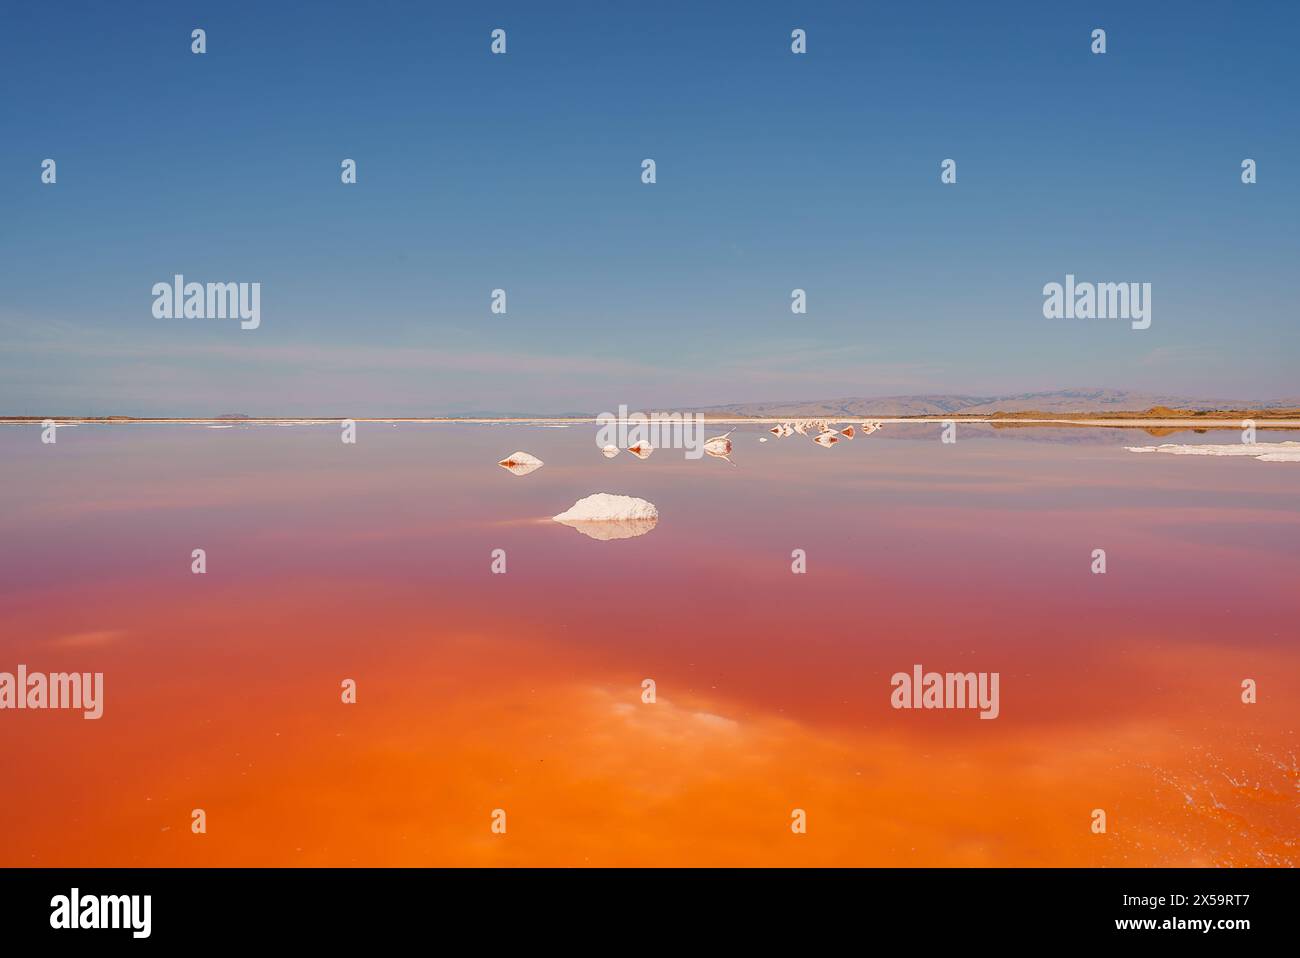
1125, 423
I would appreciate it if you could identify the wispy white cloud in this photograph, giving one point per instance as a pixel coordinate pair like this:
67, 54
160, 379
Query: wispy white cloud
252, 370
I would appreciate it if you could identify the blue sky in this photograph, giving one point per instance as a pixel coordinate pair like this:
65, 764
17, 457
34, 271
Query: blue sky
522, 171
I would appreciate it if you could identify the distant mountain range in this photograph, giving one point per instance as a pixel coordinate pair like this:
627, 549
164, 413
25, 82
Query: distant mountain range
1060, 401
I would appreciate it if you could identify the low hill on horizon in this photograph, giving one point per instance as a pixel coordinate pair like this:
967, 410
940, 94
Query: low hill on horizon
1058, 401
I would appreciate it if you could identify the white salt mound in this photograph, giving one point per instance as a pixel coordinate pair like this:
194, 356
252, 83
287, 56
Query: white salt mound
606, 507
521, 463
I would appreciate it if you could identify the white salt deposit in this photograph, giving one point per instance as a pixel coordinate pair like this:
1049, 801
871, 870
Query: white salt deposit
719, 447
605, 516
520, 463
607, 507
1263, 451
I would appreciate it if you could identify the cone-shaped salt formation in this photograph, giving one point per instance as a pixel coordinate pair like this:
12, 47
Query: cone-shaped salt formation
520, 463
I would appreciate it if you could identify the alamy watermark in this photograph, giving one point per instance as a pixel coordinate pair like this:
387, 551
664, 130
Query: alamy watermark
946, 690
179, 299
53, 690
660, 430
75, 910
1073, 300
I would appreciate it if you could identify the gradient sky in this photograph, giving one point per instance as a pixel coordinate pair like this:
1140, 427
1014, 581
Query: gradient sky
522, 171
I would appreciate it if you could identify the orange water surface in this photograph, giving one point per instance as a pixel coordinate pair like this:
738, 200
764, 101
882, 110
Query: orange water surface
523, 691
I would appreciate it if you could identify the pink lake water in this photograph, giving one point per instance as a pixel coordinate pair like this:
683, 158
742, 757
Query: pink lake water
522, 692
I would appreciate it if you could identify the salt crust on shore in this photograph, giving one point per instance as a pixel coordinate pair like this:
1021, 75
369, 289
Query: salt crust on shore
1263, 451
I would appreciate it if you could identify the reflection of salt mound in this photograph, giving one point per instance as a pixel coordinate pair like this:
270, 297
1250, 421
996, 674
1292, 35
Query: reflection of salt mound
1263, 451
611, 529
605, 516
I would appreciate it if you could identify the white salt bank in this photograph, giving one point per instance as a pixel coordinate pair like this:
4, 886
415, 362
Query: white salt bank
1263, 451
